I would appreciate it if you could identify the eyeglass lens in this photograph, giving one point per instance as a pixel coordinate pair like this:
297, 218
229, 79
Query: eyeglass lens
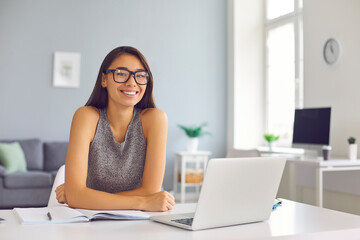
122, 75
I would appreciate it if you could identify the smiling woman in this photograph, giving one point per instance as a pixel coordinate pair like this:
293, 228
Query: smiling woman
116, 155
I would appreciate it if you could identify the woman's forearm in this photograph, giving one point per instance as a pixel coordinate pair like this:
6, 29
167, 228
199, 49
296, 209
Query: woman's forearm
141, 191
97, 200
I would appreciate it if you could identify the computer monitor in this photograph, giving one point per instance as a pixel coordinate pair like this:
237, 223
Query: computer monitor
311, 128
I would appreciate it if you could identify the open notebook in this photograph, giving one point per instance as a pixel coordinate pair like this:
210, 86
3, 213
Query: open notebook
63, 214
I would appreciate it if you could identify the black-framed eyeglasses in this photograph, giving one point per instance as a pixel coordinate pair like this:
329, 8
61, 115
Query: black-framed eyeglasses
122, 75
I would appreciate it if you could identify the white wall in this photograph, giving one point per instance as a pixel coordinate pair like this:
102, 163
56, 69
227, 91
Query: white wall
246, 77
335, 86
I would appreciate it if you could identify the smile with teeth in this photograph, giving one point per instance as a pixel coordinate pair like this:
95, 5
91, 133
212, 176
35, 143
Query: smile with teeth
129, 93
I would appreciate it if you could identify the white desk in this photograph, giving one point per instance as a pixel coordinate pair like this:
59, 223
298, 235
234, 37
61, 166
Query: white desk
321, 167
290, 221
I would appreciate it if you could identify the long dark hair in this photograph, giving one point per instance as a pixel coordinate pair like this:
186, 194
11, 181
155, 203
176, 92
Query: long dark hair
99, 95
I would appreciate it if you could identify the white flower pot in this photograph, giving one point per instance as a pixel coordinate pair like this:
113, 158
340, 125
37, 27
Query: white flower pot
192, 144
353, 151
271, 146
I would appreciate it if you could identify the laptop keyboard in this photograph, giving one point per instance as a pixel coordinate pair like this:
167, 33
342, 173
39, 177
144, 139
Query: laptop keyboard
186, 221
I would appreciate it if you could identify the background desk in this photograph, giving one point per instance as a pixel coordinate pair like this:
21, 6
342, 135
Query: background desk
292, 221
322, 166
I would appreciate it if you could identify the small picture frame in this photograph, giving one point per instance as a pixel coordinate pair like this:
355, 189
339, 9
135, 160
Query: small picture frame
66, 70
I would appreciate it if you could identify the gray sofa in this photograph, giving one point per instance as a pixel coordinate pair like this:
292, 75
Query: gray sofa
32, 188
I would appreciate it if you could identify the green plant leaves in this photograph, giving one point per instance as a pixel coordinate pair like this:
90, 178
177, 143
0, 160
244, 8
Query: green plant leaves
195, 131
271, 137
351, 140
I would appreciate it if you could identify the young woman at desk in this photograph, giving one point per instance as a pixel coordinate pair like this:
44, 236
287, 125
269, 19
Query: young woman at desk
117, 147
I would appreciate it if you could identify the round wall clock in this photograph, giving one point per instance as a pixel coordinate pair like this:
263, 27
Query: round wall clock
332, 51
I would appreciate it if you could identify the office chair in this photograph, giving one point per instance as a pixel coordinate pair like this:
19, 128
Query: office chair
59, 179
240, 153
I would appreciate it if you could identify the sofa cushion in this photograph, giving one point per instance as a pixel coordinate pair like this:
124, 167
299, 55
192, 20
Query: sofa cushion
3, 171
54, 155
12, 157
28, 180
33, 152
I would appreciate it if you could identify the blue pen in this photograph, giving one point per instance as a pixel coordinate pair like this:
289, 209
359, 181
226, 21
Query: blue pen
277, 204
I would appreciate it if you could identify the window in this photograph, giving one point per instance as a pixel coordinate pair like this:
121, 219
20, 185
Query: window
284, 61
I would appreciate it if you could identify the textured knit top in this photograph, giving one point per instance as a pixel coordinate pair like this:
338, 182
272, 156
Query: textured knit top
116, 166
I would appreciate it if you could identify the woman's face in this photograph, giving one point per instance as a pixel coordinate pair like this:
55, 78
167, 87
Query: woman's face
128, 93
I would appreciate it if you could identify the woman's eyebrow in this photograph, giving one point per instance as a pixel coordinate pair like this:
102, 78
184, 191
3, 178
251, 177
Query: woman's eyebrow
138, 69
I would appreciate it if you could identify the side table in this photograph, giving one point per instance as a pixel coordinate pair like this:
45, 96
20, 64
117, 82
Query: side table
199, 158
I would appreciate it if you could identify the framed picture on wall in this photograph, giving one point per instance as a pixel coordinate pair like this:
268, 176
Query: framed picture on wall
66, 69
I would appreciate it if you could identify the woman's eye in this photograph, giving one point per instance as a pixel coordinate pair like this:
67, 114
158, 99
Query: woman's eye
141, 75
121, 74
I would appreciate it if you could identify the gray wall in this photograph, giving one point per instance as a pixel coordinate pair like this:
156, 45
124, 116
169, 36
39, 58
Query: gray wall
184, 42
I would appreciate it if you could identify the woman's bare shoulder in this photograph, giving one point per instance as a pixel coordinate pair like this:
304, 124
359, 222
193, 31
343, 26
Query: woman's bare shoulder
84, 122
153, 121
87, 114
153, 115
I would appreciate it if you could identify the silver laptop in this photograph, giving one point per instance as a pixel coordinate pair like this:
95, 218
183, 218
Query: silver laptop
234, 191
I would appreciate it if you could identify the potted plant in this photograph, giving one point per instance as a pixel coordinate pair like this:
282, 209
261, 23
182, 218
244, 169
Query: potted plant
352, 148
193, 133
271, 138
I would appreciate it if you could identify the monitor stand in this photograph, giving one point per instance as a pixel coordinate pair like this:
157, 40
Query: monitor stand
310, 150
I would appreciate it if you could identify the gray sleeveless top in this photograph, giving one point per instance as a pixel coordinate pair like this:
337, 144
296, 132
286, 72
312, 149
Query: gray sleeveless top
116, 166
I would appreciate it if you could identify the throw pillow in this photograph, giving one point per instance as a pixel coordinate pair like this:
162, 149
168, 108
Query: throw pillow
12, 157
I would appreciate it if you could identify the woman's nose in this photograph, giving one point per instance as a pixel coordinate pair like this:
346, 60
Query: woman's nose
131, 81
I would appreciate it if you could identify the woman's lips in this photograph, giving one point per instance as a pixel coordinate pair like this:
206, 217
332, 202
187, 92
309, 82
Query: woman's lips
129, 93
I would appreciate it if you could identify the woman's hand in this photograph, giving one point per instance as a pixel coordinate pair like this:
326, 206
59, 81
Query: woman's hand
159, 202
60, 194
